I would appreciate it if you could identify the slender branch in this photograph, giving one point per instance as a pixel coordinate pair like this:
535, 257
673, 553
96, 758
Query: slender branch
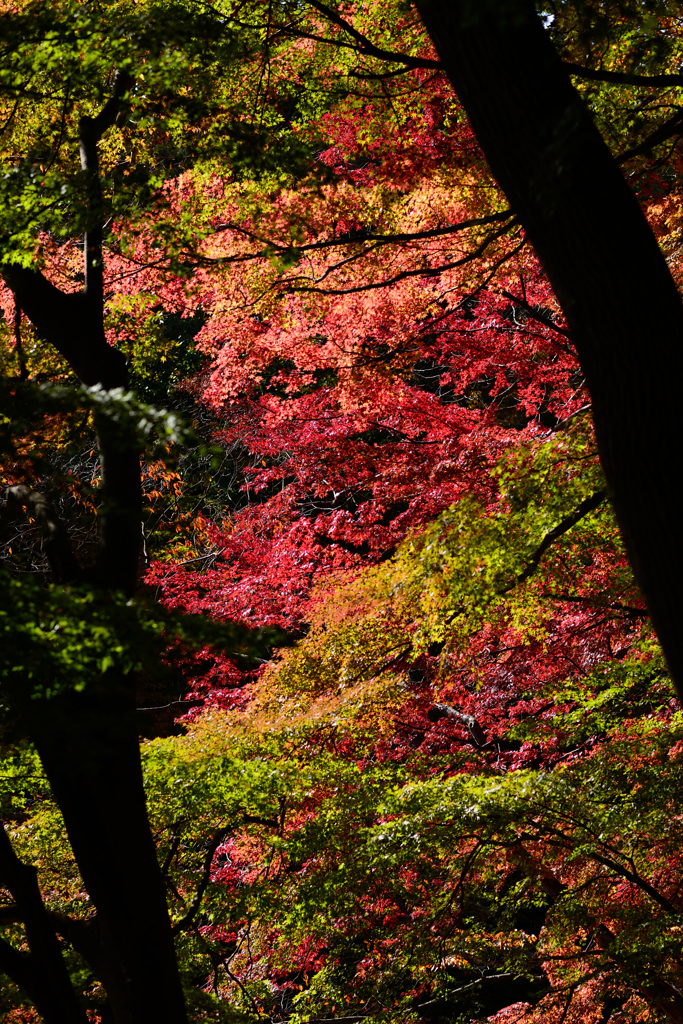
572, 416
591, 503
368, 48
57, 544
405, 274
353, 238
377, 77
507, 976
636, 879
586, 506
175, 704
623, 77
186, 920
668, 130
534, 314
627, 608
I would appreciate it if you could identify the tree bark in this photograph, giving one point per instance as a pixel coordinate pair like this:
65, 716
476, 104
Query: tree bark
88, 741
42, 972
88, 744
604, 264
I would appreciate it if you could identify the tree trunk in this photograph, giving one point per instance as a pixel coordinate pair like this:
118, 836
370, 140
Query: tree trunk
604, 265
88, 741
88, 745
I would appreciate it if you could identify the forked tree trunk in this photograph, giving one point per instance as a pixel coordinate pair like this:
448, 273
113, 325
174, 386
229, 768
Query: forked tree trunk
88, 741
603, 262
89, 747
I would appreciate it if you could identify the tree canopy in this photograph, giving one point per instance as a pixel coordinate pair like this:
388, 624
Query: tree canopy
341, 561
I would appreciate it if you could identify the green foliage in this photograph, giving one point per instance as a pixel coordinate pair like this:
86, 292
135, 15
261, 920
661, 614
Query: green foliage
466, 571
633, 688
185, 106
402, 871
297, 826
62, 639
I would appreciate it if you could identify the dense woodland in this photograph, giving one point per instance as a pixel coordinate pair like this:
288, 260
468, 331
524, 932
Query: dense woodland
342, 571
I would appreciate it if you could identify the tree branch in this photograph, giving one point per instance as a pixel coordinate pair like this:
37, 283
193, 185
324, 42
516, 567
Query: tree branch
17, 966
623, 77
586, 506
628, 609
57, 544
439, 711
42, 974
637, 880
186, 920
91, 130
73, 323
351, 238
368, 48
666, 131
67, 322
534, 314
405, 274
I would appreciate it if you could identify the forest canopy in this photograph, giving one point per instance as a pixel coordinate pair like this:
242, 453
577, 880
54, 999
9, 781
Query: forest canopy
340, 659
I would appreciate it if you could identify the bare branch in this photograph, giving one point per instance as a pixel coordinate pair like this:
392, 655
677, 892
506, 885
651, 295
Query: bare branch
534, 314
563, 424
352, 238
405, 274
56, 542
175, 704
439, 711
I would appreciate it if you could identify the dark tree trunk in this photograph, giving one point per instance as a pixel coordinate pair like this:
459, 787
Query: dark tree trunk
603, 262
88, 745
42, 972
87, 741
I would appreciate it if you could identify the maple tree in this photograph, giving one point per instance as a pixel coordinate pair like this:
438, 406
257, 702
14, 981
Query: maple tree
72, 687
456, 794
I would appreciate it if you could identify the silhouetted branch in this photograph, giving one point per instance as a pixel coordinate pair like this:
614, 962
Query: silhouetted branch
666, 131
187, 918
42, 973
623, 77
366, 46
586, 506
57, 545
